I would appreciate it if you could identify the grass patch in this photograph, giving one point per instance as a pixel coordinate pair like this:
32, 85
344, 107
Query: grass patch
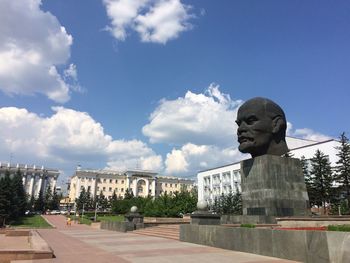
31, 221
88, 219
344, 228
248, 225
82, 220
112, 218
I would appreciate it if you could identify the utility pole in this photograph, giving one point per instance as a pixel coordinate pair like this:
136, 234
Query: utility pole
96, 211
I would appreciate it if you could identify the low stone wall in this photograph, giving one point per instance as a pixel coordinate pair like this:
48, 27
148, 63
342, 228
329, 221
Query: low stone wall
34, 248
166, 220
240, 219
313, 221
115, 226
301, 245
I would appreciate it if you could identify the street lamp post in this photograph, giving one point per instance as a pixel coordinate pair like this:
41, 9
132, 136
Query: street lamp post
96, 211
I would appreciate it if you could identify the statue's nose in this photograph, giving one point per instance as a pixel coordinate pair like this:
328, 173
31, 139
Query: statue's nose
242, 127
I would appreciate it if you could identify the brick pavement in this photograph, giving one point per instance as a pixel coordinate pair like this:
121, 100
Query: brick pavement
83, 243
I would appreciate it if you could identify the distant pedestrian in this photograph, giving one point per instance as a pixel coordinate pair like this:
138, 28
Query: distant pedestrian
69, 221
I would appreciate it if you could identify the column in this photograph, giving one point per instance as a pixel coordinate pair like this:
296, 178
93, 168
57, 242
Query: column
147, 187
127, 182
40, 183
54, 182
31, 186
211, 188
221, 184
77, 192
93, 188
154, 187
135, 187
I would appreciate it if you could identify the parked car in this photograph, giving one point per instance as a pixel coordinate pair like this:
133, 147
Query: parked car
64, 212
55, 212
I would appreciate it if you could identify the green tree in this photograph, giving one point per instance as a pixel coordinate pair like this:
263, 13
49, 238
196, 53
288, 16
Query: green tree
5, 202
342, 168
321, 172
82, 199
19, 198
48, 199
39, 204
102, 201
309, 181
56, 198
128, 194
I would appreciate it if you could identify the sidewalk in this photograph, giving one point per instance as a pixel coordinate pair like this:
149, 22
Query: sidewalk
84, 244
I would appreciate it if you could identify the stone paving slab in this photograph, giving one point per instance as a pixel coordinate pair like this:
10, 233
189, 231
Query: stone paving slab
84, 244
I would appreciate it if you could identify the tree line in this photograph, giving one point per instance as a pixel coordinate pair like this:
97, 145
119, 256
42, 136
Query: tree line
175, 205
329, 186
14, 201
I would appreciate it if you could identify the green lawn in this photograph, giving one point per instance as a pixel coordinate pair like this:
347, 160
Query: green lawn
87, 218
114, 218
32, 221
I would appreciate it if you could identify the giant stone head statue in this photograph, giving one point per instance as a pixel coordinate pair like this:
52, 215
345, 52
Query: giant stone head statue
261, 128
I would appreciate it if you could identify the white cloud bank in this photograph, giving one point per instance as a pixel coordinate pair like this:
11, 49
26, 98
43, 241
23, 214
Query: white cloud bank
32, 45
68, 138
202, 128
156, 21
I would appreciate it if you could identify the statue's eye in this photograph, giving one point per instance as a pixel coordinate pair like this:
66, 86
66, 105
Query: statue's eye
238, 122
251, 120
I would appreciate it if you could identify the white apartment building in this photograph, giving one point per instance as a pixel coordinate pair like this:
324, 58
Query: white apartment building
35, 178
139, 182
221, 180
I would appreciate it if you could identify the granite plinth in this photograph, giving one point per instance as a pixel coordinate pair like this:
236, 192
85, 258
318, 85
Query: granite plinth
204, 218
273, 186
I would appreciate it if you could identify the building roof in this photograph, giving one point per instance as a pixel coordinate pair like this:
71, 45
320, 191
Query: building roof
293, 144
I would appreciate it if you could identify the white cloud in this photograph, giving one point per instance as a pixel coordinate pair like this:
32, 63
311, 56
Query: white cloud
156, 21
191, 158
32, 45
201, 119
309, 134
68, 138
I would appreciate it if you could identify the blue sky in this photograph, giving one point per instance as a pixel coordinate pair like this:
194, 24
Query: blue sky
155, 84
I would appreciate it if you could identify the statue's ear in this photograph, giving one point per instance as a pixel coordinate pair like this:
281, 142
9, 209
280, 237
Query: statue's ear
277, 124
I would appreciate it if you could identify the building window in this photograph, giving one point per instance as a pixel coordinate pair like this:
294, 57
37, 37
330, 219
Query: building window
116, 189
122, 181
98, 188
110, 189
171, 185
110, 180
116, 181
89, 179
104, 188
122, 189
176, 185
166, 185
104, 180
89, 188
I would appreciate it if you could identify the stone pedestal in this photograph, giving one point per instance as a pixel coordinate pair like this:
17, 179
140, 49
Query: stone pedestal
134, 221
273, 186
205, 218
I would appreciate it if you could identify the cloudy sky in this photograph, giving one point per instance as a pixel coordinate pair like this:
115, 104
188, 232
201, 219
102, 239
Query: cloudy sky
155, 84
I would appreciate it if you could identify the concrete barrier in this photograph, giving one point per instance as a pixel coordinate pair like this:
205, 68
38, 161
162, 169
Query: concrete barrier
117, 226
34, 248
301, 245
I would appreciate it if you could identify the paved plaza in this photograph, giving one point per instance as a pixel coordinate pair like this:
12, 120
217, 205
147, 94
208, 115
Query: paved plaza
81, 243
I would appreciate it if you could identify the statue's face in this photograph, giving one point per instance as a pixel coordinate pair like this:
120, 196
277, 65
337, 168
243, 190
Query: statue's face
254, 129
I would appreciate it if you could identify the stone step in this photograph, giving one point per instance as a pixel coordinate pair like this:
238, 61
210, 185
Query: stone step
165, 231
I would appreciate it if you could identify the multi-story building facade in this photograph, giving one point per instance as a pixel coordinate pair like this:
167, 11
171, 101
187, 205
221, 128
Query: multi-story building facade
35, 178
139, 182
224, 179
